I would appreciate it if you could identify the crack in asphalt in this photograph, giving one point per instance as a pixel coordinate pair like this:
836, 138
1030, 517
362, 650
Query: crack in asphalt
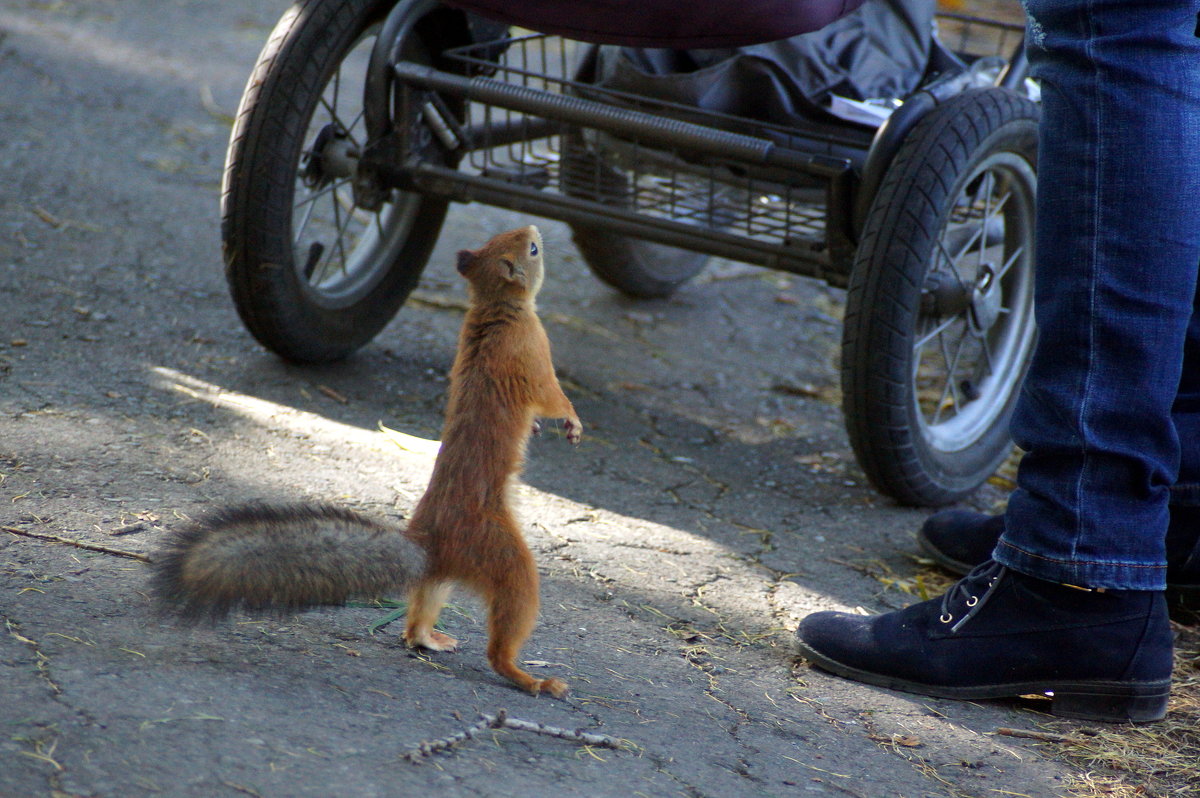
42, 662
44, 746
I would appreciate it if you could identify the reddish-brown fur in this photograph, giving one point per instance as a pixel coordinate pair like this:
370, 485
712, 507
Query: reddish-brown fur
501, 382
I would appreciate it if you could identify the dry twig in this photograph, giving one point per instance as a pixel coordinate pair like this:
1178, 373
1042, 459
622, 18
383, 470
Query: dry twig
501, 721
1046, 737
79, 544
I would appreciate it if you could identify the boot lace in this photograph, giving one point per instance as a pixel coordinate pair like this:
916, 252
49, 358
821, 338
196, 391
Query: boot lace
972, 592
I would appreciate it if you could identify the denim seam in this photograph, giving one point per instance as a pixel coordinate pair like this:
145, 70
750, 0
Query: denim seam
1185, 495
1073, 561
1091, 171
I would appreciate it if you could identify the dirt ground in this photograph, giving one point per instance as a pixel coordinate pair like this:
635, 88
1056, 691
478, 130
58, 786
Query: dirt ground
713, 503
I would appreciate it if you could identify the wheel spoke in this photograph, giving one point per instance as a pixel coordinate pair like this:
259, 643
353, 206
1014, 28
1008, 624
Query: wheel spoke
337, 84
985, 344
950, 390
341, 222
313, 196
350, 131
936, 331
335, 118
979, 236
348, 206
1008, 263
946, 384
308, 212
985, 188
932, 368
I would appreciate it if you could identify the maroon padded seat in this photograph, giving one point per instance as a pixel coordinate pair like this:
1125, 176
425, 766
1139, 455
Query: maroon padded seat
677, 24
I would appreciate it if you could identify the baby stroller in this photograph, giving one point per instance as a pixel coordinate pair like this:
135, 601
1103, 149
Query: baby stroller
363, 119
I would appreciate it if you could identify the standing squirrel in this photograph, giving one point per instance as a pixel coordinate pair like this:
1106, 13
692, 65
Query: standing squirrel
462, 531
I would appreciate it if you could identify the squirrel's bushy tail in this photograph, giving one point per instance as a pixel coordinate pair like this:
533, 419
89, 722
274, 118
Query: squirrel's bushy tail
261, 557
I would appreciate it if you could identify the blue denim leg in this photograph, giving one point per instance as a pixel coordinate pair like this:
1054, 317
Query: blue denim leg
1186, 414
1118, 246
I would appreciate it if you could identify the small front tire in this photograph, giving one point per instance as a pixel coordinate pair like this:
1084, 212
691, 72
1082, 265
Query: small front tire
939, 324
313, 276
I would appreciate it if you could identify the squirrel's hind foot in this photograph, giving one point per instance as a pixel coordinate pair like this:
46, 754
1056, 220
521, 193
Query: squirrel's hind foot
555, 687
430, 639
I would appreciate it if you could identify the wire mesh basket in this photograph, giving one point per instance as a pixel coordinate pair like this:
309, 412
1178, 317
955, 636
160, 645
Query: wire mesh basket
692, 186
709, 193
974, 37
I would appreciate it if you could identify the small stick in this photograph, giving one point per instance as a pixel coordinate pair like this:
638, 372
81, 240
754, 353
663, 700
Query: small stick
501, 720
332, 394
576, 735
430, 747
76, 543
1046, 737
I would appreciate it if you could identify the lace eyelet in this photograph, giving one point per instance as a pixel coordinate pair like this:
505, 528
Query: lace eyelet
946, 618
972, 601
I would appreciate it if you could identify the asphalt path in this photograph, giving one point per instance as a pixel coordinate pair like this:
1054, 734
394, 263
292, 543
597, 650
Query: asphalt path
713, 503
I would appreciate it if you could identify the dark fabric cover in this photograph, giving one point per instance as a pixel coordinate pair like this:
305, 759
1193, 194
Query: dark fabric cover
680, 24
879, 51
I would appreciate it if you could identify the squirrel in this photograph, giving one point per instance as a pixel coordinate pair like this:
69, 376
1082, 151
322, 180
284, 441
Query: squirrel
462, 531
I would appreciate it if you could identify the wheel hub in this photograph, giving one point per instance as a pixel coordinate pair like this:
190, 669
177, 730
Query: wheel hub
985, 299
332, 156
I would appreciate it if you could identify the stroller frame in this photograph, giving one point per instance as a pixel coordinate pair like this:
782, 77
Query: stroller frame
811, 239
926, 220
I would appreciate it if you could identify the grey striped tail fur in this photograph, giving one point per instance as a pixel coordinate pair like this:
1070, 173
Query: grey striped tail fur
281, 559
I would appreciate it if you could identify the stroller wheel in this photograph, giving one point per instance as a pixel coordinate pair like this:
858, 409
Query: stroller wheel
939, 321
637, 268
313, 273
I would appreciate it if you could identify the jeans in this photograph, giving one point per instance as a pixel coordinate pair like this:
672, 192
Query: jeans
1109, 414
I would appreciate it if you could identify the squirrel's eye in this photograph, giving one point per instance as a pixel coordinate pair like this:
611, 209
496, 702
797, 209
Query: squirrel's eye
532, 247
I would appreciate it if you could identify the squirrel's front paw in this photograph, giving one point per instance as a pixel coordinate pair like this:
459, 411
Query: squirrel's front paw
574, 429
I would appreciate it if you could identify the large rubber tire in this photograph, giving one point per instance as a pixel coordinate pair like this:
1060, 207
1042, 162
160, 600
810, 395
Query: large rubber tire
637, 268
939, 321
314, 289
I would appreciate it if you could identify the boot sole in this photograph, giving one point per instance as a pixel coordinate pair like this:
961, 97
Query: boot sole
1095, 700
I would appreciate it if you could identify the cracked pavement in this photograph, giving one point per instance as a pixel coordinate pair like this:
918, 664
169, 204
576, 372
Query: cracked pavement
713, 503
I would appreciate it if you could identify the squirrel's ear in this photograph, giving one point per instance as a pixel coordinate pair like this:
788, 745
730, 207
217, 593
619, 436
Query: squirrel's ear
465, 258
511, 272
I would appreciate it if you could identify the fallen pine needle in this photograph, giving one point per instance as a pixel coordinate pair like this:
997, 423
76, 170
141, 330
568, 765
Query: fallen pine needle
501, 720
333, 394
47, 217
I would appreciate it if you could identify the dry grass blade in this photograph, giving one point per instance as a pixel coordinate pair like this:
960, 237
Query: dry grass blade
1155, 760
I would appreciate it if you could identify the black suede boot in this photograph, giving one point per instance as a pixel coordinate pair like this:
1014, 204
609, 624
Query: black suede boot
958, 540
1104, 655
